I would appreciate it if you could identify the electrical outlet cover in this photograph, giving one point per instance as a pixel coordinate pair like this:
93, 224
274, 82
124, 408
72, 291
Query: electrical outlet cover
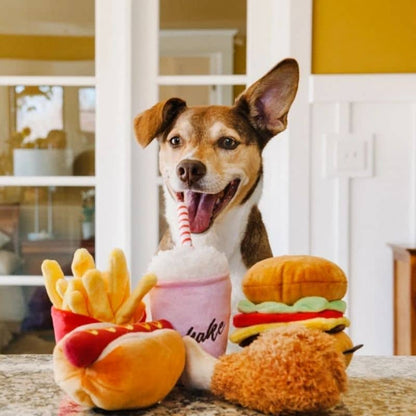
351, 155
348, 155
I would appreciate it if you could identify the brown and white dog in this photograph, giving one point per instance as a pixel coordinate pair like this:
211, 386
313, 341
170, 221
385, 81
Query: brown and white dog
212, 158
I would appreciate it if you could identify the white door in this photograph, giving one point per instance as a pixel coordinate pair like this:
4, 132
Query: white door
64, 142
47, 147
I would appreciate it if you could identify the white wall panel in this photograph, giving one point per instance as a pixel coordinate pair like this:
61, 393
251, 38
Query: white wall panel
379, 215
378, 210
323, 226
280, 29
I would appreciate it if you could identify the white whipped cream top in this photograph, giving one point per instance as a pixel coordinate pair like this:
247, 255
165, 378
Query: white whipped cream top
188, 263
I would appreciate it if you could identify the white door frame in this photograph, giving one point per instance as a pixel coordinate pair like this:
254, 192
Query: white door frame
113, 131
276, 30
145, 203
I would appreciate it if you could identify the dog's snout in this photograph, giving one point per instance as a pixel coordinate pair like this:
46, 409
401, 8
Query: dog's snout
190, 171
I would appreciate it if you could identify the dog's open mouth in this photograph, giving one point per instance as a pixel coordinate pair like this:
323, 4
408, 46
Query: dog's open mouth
203, 208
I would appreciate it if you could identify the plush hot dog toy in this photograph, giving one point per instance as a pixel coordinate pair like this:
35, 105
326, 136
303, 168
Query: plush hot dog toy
119, 367
97, 362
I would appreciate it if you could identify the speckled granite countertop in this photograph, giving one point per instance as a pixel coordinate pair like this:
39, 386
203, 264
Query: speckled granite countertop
378, 386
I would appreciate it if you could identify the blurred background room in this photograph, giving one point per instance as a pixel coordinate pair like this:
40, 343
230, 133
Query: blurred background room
339, 183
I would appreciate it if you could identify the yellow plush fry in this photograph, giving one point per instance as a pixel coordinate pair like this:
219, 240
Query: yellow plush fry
118, 279
138, 313
69, 288
77, 303
78, 284
73, 302
52, 272
106, 277
61, 286
99, 303
126, 311
82, 262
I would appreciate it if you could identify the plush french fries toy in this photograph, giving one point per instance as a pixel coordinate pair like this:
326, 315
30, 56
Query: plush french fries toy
94, 296
104, 356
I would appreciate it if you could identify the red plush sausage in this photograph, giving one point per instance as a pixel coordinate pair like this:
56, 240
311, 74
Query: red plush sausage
65, 321
83, 347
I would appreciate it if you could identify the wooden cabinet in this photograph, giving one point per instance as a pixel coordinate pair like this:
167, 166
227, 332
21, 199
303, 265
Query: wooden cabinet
34, 252
404, 267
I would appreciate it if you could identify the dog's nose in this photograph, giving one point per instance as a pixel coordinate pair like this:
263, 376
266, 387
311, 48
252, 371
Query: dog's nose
190, 171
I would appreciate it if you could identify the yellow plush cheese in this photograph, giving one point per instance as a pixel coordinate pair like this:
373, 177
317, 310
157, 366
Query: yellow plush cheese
324, 324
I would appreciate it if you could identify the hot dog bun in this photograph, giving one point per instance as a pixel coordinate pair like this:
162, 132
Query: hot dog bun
136, 370
289, 278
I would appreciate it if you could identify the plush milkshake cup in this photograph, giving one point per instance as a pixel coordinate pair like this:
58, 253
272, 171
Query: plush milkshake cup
194, 294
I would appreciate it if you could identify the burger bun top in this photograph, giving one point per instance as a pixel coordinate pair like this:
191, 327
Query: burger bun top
287, 279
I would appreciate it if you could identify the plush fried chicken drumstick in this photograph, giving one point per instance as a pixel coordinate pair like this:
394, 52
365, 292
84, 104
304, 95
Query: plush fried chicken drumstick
284, 369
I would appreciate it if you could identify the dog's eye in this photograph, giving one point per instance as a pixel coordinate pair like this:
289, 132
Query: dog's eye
175, 141
228, 143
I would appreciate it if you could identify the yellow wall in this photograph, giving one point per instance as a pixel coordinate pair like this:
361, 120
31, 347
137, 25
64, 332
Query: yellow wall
364, 36
54, 48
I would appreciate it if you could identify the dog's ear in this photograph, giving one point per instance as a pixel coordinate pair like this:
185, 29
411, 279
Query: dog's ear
267, 102
155, 120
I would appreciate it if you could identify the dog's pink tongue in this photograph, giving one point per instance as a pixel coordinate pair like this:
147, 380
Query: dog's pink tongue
200, 207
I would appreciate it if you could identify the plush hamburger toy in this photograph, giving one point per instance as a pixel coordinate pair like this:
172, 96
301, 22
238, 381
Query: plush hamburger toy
293, 290
291, 361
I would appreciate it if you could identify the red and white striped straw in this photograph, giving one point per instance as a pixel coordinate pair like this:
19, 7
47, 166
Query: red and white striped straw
184, 227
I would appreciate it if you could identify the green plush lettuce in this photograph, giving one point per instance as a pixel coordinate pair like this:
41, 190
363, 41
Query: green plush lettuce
307, 304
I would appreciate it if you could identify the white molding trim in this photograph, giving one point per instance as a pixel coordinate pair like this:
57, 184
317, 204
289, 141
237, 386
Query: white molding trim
24, 280
276, 30
14, 280
66, 81
202, 80
60, 181
144, 192
113, 128
342, 196
412, 193
362, 87
185, 33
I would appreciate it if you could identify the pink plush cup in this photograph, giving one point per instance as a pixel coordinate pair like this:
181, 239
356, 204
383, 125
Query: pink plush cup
198, 308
